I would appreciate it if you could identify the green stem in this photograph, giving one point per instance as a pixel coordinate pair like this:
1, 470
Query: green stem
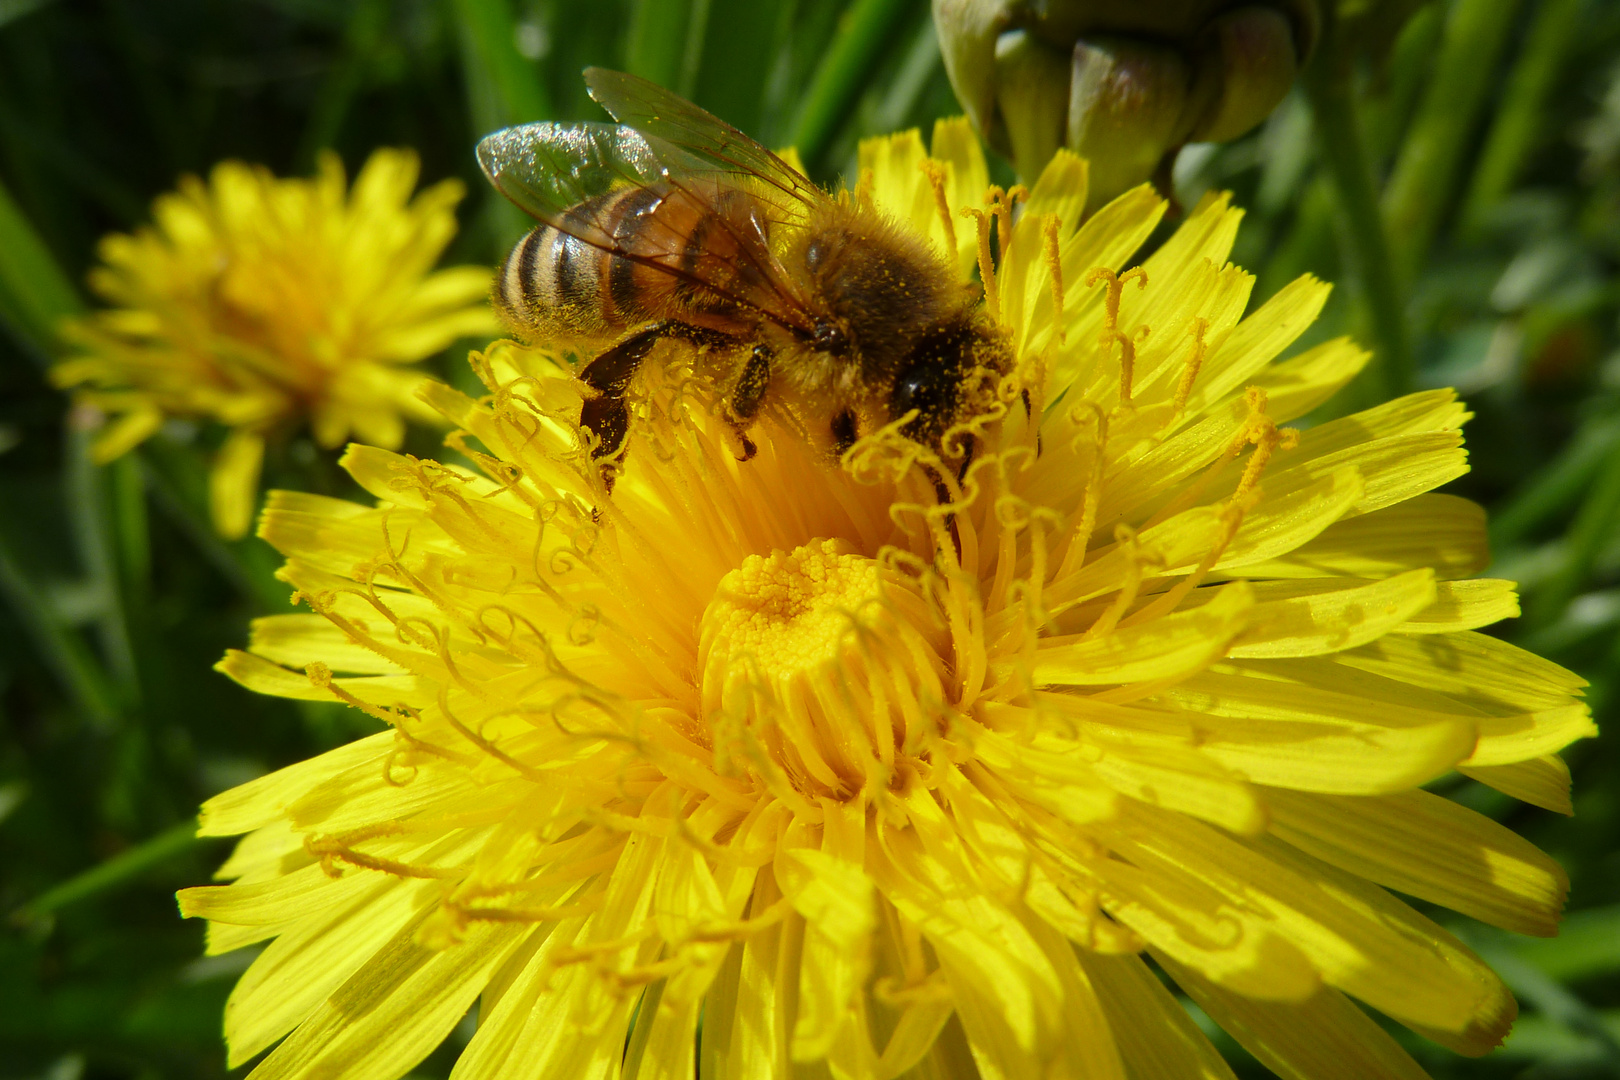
842, 74
1344, 153
130, 527
656, 40
118, 870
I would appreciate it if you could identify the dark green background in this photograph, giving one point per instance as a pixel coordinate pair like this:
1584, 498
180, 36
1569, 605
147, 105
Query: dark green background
1499, 119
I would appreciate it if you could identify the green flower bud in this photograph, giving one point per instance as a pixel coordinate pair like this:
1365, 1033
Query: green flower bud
1123, 85
1127, 103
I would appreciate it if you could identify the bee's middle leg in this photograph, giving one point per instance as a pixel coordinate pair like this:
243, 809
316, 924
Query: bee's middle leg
748, 395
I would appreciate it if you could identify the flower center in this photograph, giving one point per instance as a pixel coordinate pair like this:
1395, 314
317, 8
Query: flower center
816, 676
790, 610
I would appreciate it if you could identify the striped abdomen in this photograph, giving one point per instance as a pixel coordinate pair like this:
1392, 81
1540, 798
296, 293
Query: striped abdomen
556, 285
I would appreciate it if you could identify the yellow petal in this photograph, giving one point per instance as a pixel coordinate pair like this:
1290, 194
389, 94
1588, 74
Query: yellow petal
1504, 740
1177, 778
1455, 998
1465, 605
1155, 1036
1542, 781
1258, 339
1170, 647
1332, 621
389, 1016
262, 801
128, 432
1207, 234
1358, 943
1309, 739
560, 1018
1185, 918
1299, 384
1472, 667
1007, 994
1431, 848
957, 148
261, 676
898, 184
835, 897
315, 955
298, 640
1289, 522
233, 483
1322, 1038
1442, 532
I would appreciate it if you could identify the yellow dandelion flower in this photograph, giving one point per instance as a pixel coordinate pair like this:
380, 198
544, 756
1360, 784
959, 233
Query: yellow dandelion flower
256, 302
768, 769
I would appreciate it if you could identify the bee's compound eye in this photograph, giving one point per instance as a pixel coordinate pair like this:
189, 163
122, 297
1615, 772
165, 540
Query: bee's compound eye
929, 379
929, 387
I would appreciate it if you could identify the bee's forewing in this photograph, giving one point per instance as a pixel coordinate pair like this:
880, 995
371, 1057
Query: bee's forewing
548, 168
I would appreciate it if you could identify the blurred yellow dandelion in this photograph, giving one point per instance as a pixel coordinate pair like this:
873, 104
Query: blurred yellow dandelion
769, 769
256, 302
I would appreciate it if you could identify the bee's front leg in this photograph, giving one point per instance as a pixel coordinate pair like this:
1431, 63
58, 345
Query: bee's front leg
747, 395
607, 415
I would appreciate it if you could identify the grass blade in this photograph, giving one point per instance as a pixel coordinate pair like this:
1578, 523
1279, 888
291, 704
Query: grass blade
63, 651
1519, 124
116, 871
35, 295
514, 94
845, 71
1425, 175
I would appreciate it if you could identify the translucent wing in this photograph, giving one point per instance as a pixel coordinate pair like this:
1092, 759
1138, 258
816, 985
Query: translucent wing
548, 169
557, 172
702, 141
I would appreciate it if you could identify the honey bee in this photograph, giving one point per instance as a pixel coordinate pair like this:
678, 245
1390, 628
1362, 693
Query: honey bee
672, 225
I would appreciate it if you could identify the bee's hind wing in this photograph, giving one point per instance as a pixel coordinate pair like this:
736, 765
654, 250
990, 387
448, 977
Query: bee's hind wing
695, 142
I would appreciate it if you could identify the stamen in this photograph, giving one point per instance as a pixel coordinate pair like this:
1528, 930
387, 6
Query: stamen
1267, 437
1085, 519
935, 172
321, 675
1262, 431
330, 850
1200, 326
1137, 563
1127, 362
1001, 204
1116, 289
1111, 332
987, 268
1054, 267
